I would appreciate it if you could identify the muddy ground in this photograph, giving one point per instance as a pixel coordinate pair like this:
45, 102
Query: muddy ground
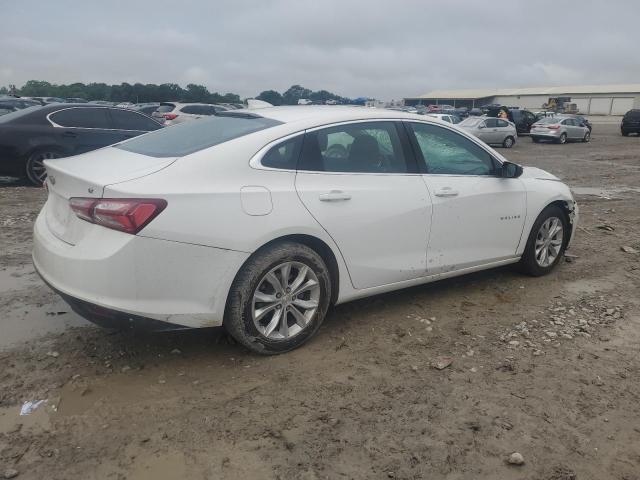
547, 367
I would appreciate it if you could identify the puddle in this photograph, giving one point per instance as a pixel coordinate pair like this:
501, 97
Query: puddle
28, 310
605, 193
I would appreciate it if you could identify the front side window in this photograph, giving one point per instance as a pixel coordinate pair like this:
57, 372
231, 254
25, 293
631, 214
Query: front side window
447, 152
284, 155
365, 147
82, 118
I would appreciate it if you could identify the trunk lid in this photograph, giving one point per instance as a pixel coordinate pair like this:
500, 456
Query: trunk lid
86, 176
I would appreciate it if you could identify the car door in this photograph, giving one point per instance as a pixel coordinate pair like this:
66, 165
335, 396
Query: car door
570, 127
129, 124
478, 216
490, 134
360, 182
82, 129
504, 129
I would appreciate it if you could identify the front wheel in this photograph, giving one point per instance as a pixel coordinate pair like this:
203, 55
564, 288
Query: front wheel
563, 139
508, 142
535, 139
278, 299
587, 137
546, 243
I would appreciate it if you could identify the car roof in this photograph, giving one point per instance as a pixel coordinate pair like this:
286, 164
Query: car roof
327, 113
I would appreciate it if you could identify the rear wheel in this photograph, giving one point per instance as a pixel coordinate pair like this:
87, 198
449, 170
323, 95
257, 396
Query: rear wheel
35, 169
624, 133
563, 139
278, 299
535, 139
508, 142
546, 243
587, 137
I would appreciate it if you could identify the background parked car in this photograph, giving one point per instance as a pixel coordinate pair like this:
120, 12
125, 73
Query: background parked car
171, 113
76, 100
445, 117
32, 135
522, 119
493, 131
580, 119
560, 130
18, 102
4, 109
146, 108
630, 122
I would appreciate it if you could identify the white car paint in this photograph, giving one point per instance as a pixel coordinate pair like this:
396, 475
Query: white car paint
393, 230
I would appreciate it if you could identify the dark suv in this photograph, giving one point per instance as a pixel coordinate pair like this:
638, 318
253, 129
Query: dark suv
630, 122
523, 119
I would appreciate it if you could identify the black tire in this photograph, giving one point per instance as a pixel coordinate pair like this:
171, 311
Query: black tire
624, 134
239, 310
587, 137
34, 168
563, 139
535, 139
528, 262
509, 142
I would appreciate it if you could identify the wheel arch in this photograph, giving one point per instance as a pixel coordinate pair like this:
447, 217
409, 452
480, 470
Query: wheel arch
568, 208
317, 245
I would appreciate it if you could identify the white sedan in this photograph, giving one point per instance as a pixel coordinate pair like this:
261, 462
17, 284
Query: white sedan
259, 220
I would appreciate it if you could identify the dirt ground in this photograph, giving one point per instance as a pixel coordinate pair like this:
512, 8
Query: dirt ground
547, 367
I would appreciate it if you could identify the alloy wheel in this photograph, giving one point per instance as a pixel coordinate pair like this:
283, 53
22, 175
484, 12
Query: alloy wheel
36, 171
285, 301
549, 241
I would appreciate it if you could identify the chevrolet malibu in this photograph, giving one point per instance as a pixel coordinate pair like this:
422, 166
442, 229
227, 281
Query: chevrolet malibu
260, 220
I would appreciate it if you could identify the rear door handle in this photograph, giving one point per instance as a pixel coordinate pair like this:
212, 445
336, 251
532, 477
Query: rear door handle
446, 192
334, 196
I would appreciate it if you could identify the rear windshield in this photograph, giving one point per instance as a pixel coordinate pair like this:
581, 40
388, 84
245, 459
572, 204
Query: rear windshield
471, 122
550, 120
633, 114
164, 108
189, 137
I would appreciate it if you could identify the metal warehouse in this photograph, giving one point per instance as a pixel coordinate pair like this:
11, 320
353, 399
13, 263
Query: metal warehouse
590, 99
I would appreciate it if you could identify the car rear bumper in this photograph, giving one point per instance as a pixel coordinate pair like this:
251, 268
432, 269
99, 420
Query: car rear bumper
134, 279
546, 134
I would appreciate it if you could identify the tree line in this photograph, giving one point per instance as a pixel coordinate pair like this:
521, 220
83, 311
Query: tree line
166, 92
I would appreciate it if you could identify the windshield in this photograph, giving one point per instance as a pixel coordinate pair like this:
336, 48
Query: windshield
190, 137
471, 122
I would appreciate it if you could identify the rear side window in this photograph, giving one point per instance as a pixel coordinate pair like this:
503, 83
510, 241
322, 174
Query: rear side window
491, 122
82, 118
502, 123
284, 155
190, 137
165, 108
192, 109
128, 120
366, 147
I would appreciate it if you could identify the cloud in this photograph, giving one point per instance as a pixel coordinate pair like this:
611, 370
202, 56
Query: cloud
358, 47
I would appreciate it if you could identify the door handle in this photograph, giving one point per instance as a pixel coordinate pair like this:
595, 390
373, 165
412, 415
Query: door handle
446, 192
69, 134
334, 196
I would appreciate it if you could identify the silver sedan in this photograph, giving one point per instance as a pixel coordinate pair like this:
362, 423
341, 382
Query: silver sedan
560, 130
493, 131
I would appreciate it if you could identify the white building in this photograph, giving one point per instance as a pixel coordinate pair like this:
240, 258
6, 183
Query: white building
590, 99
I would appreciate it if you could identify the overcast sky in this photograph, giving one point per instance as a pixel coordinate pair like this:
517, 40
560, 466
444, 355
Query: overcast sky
383, 49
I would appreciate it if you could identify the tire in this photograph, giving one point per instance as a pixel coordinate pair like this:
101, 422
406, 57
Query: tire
587, 137
34, 168
269, 335
535, 139
624, 134
508, 142
563, 139
531, 263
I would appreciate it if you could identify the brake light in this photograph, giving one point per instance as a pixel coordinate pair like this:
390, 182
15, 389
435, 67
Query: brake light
129, 215
170, 116
553, 127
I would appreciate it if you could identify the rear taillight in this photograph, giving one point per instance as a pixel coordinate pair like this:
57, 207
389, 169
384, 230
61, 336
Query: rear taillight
129, 215
170, 116
553, 127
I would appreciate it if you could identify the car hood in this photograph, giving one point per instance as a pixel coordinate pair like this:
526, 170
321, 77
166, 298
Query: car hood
538, 174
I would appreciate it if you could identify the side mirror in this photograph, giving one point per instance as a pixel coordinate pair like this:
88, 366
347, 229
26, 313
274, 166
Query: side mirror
511, 170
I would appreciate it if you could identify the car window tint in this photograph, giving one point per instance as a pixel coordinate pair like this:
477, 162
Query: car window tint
502, 123
190, 137
491, 122
192, 109
448, 152
164, 108
126, 120
366, 147
284, 155
82, 118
